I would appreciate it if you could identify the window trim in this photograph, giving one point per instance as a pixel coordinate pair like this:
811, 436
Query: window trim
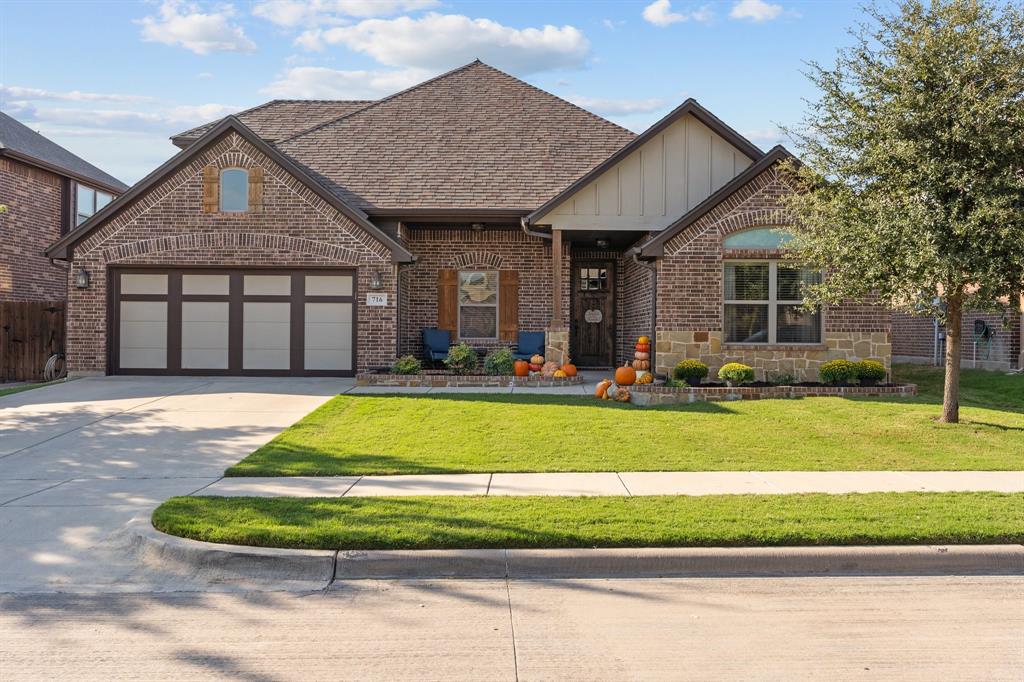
773, 304
496, 305
220, 190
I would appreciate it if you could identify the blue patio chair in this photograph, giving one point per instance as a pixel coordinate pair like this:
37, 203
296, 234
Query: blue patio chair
529, 344
436, 343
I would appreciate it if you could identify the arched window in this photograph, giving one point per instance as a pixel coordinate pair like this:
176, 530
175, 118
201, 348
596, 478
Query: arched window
234, 190
758, 238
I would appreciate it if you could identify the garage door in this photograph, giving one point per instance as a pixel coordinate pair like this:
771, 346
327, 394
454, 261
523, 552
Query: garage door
244, 322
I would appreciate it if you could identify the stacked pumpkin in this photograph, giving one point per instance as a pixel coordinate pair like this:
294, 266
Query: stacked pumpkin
548, 370
642, 360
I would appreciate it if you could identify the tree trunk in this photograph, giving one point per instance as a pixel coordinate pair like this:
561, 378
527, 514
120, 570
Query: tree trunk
951, 394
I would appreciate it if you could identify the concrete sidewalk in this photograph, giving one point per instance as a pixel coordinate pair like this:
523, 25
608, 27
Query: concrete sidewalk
624, 483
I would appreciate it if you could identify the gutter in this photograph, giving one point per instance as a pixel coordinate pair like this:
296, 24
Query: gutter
532, 233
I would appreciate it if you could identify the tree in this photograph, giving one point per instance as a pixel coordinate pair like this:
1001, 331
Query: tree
912, 187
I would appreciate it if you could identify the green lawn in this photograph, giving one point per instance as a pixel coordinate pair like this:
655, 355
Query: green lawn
18, 389
522, 522
386, 434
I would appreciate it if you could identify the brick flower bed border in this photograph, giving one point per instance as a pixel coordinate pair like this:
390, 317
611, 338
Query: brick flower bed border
439, 380
657, 394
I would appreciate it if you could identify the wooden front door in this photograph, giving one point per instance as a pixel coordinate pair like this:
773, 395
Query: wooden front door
593, 313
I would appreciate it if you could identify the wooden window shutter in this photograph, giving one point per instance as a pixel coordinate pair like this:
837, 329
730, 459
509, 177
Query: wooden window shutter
256, 189
448, 301
211, 189
508, 305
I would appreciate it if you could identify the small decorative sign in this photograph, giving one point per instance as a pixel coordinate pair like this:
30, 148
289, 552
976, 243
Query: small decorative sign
593, 316
376, 299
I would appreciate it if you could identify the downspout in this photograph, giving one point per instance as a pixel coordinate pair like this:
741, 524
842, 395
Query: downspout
654, 305
532, 233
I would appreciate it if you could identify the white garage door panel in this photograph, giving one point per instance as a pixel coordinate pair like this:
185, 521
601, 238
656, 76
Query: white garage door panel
266, 336
143, 334
328, 285
328, 335
144, 284
204, 335
268, 285
209, 285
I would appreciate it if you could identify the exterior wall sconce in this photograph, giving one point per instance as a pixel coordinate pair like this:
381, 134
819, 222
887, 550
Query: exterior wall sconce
477, 227
82, 279
376, 280
602, 243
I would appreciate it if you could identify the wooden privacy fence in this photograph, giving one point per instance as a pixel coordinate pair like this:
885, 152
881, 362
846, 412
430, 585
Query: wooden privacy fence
30, 332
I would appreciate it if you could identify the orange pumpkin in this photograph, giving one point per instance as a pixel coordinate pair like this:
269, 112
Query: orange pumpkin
625, 375
521, 368
569, 369
537, 360
643, 347
602, 388
535, 367
640, 365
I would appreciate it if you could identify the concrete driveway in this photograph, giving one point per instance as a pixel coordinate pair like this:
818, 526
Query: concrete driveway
79, 460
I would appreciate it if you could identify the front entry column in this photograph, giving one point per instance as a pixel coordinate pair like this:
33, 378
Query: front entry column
556, 338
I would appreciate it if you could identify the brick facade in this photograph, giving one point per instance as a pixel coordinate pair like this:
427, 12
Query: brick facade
635, 305
509, 249
690, 306
913, 340
167, 226
33, 221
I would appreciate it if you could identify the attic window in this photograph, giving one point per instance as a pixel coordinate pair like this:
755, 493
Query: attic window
234, 190
758, 238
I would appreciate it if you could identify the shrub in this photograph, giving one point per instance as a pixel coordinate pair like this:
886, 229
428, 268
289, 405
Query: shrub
690, 371
461, 359
499, 362
736, 373
837, 372
407, 364
672, 382
781, 379
870, 372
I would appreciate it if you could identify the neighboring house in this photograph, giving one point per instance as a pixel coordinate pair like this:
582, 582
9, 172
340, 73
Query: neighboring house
304, 238
995, 345
48, 191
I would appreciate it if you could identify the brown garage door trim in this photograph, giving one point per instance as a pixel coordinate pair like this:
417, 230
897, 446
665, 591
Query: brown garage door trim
235, 299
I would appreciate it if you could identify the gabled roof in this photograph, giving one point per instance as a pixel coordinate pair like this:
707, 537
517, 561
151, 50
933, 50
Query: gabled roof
655, 247
63, 247
24, 144
690, 106
474, 137
280, 118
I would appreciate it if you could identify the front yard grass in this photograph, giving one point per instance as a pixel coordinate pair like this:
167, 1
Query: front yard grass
538, 522
410, 434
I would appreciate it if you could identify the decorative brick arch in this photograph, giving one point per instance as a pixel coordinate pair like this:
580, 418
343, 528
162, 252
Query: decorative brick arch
248, 240
473, 259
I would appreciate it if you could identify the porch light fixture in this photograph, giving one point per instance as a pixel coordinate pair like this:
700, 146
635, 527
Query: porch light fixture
82, 279
602, 243
376, 280
477, 227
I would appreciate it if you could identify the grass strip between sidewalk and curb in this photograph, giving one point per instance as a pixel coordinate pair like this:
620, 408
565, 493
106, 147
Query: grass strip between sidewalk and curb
580, 522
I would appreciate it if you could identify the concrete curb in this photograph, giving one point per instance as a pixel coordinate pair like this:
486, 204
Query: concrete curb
240, 562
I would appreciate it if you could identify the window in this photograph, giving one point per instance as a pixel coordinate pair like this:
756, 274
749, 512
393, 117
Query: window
478, 304
593, 279
234, 190
760, 238
763, 303
88, 201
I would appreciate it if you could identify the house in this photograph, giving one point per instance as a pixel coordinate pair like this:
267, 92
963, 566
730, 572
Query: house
48, 191
988, 340
320, 238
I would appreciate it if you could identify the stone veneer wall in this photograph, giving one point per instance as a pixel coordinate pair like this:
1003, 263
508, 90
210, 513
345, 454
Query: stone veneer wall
31, 224
167, 226
491, 249
690, 308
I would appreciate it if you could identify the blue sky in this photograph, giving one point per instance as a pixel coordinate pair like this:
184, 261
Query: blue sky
112, 81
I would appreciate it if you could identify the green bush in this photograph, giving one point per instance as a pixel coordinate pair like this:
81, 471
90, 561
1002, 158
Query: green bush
870, 372
672, 382
838, 372
461, 359
690, 371
736, 373
407, 364
781, 379
499, 362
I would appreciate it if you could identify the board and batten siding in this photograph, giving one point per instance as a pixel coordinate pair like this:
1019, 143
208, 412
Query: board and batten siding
656, 183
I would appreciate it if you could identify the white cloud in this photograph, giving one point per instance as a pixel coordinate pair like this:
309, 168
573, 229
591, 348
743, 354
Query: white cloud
617, 107
317, 82
292, 13
204, 75
755, 10
183, 24
442, 41
167, 120
19, 93
660, 14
